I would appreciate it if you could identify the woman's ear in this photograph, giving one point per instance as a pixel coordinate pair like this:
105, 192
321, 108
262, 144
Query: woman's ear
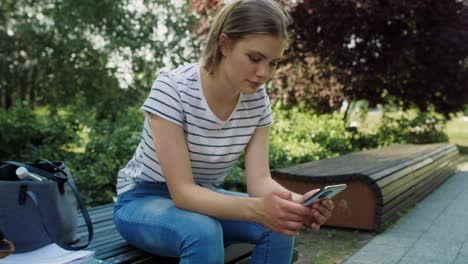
224, 44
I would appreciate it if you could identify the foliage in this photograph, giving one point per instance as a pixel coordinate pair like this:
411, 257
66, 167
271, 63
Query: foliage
28, 136
417, 128
406, 52
298, 136
108, 50
112, 142
235, 180
308, 82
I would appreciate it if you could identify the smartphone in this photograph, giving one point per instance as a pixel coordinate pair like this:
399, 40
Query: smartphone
325, 192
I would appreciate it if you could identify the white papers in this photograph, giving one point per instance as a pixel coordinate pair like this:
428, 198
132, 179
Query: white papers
50, 254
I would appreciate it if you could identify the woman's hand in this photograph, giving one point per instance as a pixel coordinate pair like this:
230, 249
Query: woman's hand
281, 214
320, 211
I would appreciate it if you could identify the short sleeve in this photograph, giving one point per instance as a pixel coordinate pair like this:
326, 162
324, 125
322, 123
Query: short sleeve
266, 118
164, 100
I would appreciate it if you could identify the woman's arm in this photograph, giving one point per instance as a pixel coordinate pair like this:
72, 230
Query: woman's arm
257, 167
260, 182
272, 210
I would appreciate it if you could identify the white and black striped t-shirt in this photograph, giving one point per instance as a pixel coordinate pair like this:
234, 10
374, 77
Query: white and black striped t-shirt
214, 145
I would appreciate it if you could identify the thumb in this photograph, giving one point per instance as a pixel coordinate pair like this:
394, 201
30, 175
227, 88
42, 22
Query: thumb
285, 194
309, 194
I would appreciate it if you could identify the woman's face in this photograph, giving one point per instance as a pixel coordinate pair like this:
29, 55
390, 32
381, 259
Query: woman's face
249, 62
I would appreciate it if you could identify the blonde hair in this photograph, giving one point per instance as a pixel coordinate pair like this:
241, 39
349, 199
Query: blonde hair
241, 18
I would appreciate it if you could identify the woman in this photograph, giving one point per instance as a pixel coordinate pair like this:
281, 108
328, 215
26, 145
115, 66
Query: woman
199, 118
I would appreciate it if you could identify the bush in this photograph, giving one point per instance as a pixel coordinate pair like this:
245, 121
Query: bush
235, 181
297, 137
29, 135
112, 142
416, 128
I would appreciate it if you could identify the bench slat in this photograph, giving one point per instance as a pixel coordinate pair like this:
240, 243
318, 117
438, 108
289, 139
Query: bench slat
389, 192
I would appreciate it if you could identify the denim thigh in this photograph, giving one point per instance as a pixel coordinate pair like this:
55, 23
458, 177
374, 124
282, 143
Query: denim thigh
148, 219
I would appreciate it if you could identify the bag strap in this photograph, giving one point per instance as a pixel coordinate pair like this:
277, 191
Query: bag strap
33, 197
68, 179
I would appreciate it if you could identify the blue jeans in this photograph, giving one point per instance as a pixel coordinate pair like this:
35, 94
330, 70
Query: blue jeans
148, 219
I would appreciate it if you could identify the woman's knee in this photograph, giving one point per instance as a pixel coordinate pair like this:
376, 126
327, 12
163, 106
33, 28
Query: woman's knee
204, 229
273, 248
203, 240
282, 241
276, 240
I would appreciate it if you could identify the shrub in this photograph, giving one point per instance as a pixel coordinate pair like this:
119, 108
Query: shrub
417, 127
112, 142
298, 136
28, 135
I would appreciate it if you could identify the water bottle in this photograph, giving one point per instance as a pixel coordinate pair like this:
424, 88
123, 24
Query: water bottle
25, 175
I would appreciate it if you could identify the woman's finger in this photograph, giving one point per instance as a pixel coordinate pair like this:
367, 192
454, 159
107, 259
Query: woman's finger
328, 204
319, 218
324, 211
293, 225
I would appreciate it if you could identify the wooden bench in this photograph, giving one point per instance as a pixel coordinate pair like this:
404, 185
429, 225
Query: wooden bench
110, 246
382, 183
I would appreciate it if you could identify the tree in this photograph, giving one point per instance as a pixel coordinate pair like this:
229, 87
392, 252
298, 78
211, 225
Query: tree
109, 51
414, 53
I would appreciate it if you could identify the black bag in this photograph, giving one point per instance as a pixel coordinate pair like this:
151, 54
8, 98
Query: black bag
34, 214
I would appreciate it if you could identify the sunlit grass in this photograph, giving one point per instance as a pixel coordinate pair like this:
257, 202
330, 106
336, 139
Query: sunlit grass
457, 130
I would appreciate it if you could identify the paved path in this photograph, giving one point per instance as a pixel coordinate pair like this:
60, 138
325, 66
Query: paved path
435, 231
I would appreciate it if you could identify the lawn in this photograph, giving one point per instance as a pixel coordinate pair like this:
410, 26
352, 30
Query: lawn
329, 245
457, 130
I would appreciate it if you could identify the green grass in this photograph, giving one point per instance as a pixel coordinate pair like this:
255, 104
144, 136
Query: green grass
457, 131
329, 245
